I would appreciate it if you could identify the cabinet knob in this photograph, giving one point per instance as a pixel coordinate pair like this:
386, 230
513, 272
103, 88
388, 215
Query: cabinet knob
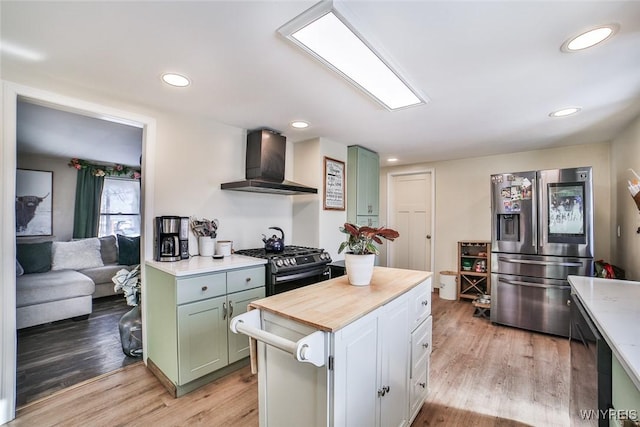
204, 288
425, 303
425, 345
423, 385
248, 279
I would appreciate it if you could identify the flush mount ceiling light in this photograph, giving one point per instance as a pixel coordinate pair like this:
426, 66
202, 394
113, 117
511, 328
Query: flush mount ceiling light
299, 124
324, 33
565, 112
589, 38
392, 159
174, 79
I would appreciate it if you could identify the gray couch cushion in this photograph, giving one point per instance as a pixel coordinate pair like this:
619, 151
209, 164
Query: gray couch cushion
103, 274
109, 250
51, 286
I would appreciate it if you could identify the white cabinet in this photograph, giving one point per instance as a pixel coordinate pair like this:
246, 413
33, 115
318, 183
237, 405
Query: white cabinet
188, 322
371, 368
363, 186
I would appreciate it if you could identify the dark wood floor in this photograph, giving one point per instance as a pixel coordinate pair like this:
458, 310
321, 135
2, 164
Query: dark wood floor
60, 354
481, 375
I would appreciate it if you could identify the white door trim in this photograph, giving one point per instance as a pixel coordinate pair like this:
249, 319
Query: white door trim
431, 172
10, 93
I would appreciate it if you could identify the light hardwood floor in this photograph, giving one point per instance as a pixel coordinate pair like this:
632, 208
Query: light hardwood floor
481, 375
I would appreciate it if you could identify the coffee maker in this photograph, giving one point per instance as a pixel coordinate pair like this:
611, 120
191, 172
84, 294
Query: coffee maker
184, 237
167, 238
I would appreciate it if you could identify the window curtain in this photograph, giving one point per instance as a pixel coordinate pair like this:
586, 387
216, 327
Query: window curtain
86, 220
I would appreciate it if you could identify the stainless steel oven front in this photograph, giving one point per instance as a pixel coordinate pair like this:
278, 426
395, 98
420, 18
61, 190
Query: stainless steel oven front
280, 282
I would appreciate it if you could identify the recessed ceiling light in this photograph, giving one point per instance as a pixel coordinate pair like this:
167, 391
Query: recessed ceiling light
392, 159
175, 80
299, 124
565, 112
326, 35
589, 38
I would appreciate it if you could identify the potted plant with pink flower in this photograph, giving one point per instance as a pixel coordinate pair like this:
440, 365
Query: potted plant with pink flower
360, 258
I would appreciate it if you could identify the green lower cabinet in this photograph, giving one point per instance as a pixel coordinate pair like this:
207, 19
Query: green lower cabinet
238, 302
188, 336
202, 338
626, 397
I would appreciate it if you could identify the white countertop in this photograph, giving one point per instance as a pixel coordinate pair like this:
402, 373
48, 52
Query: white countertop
201, 264
614, 306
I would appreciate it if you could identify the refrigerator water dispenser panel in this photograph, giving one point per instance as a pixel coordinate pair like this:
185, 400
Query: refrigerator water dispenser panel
508, 227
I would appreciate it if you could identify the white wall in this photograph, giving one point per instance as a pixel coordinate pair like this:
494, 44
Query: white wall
64, 192
462, 200
625, 154
312, 224
194, 155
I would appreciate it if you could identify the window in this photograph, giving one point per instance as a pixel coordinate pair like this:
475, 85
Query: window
120, 207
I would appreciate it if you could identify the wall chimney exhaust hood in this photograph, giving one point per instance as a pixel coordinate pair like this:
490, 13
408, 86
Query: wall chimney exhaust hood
265, 166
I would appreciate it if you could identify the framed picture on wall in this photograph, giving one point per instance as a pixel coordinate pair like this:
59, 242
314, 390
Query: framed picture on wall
333, 184
34, 203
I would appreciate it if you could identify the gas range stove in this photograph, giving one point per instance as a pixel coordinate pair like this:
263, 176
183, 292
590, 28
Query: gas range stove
292, 258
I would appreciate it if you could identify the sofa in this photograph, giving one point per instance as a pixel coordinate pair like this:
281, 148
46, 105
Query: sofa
59, 280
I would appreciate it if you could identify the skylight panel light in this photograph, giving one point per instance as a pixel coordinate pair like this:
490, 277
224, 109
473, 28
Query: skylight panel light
329, 39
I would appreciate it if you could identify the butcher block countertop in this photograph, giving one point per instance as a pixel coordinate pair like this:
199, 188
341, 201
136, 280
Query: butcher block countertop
333, 304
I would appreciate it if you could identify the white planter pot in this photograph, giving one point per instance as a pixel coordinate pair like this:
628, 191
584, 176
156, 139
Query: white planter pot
359, 268
206, 245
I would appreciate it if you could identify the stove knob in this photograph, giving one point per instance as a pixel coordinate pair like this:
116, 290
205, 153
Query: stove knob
293, 261
286, 261
279, 263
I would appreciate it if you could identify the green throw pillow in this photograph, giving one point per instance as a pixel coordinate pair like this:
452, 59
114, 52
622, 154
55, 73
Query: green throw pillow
34, 257
128, 250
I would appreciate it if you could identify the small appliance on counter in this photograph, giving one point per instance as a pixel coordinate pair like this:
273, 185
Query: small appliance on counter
167, 238
184, 237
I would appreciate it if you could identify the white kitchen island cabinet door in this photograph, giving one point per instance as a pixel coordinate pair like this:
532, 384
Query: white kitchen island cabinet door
371, 369
202, 338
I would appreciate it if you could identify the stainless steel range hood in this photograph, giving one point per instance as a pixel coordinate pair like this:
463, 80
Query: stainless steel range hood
265, 166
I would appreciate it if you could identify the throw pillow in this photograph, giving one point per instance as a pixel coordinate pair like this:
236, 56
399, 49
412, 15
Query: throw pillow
19, 269
34, 257
128, 250
109, 249
76, 255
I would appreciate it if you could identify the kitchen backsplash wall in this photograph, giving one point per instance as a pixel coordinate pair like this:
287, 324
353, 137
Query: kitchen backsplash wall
193, 156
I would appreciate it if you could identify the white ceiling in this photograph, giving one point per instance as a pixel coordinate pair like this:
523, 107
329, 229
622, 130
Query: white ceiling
492, 70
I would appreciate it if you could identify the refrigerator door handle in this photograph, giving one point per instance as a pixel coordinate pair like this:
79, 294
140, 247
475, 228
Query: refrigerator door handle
534, 262
534, 212
531, 284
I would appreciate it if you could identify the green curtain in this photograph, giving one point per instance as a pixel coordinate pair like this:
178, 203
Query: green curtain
86, 220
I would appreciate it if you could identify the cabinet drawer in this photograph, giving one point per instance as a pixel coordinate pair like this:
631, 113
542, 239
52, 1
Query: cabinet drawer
420, 300
201, 287
418, 390
247, 278
420, 346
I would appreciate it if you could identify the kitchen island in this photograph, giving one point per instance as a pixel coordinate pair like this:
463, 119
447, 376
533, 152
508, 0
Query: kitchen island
189, 305
343, 355
614, 308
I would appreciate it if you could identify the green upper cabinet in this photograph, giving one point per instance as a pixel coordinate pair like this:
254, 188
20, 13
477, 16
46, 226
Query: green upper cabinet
363, 185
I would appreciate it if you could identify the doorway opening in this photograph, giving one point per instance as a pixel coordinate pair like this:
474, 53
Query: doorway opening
56, 349
12, 93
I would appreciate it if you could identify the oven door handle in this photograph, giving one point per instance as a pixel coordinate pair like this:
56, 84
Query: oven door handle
310, 273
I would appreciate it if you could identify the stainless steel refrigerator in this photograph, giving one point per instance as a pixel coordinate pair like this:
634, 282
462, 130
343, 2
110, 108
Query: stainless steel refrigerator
542, 231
